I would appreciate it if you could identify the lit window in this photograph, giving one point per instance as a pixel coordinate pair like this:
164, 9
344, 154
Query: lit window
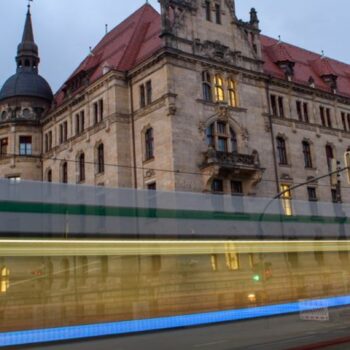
206, 83
286, 200
232, 260
4, 279
219, 89
25, 145
232, 93
149, 144
214, 262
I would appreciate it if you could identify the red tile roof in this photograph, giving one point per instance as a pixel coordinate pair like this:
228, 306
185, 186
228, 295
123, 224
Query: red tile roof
137, 38
307, 65
128, 44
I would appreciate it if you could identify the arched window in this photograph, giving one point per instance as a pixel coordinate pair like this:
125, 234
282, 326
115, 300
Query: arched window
100, 159
49, 175
330, 156
81, 161
307, 154
282, 151
149, 144
232, 93
222, 137
64, 172
219, 88
206, 83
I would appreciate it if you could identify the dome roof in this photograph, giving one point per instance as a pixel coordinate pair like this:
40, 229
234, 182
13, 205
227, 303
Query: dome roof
28, 84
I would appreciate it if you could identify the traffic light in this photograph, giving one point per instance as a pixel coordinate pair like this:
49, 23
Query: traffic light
347, 164
262, 272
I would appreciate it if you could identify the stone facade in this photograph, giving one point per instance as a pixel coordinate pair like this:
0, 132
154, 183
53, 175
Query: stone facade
216, 114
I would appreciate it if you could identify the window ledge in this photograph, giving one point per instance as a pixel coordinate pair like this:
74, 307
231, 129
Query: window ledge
285, 165
150, 160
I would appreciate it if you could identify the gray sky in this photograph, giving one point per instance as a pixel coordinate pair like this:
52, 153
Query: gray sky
64, 29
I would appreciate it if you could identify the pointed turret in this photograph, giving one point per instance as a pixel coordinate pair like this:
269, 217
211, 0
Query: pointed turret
27, 82
27, 51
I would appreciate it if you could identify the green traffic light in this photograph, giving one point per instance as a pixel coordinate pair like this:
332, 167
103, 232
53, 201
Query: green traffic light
256, 278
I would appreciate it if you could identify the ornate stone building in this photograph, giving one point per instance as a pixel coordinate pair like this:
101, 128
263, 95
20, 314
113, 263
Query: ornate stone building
191, 99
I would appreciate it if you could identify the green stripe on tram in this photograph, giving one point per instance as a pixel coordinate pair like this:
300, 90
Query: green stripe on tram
129, 212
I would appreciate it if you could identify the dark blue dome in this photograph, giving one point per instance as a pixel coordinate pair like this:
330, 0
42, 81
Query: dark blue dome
26, 84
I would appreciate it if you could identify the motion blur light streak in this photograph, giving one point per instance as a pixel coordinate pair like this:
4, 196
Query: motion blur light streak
156, 324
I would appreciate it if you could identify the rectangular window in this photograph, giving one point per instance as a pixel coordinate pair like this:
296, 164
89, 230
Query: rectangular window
65, 131
280, 106
25, 145
82, 121
274, 105
149, 92
222, 144
149, 144
334, 195
299, 111
218, 186
322, 115
286, 200
306, 112
101, 109
142, 96
343, 119
95, 107
329, 119
152, 186
61, 133
312, 195
207, 11
348, 117
46, 142
236, 187
218, 13
3, 146
77, 124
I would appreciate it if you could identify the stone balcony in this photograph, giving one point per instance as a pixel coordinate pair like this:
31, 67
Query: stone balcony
231, 166
231, 161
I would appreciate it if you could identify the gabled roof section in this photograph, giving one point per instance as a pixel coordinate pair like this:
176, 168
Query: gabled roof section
307, 65
128, 44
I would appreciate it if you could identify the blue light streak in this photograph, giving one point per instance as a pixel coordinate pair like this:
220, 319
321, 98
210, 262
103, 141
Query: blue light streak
162, 323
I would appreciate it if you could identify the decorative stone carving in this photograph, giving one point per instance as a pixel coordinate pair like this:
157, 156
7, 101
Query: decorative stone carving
217, 51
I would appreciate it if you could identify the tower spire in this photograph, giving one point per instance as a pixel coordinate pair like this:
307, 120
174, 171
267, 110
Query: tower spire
27, 52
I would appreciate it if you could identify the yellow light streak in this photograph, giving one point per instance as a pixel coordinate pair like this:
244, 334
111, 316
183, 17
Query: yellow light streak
17, 248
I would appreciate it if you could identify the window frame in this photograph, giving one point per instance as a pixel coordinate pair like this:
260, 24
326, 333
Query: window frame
149, 143
282, 150
25, 148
